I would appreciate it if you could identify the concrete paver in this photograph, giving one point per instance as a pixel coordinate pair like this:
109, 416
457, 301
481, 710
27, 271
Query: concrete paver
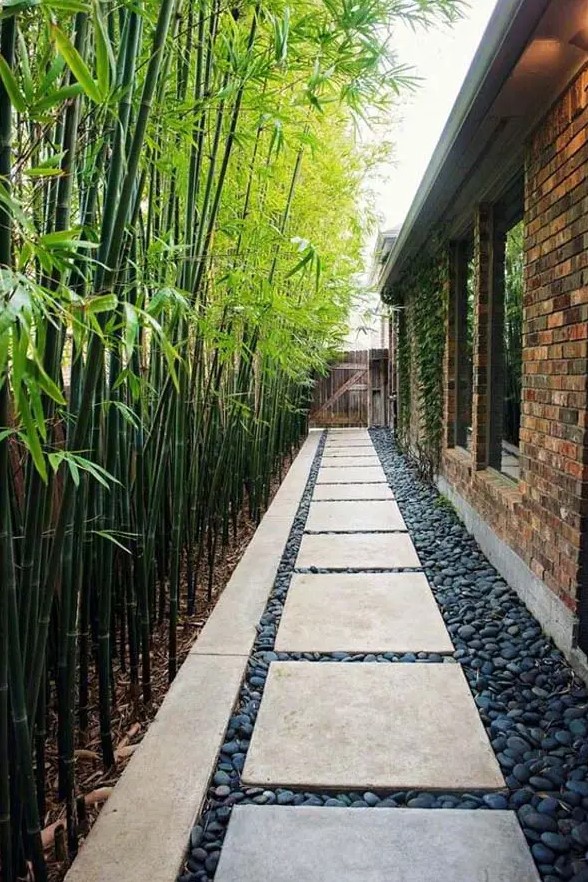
361, 612
350, 462
369, 726
359, 515
347, 433
359, 551
335, 453
142, 830
361, 475
352, 491
306, 844
357, 443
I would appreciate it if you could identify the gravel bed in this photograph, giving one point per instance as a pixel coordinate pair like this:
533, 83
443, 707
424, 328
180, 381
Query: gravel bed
533, 707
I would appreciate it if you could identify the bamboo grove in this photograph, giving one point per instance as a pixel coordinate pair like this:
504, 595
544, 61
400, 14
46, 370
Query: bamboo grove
179, 243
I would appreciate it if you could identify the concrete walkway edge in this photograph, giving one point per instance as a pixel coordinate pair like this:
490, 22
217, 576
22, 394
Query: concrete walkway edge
142, 830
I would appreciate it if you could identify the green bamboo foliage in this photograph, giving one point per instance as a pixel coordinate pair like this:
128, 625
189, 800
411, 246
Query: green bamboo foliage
180, 235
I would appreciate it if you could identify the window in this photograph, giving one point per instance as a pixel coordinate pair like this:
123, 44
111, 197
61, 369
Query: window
464, 302
504, 341
486, 321
513, 350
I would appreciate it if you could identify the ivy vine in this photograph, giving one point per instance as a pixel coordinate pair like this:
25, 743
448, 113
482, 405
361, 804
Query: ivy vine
421, 298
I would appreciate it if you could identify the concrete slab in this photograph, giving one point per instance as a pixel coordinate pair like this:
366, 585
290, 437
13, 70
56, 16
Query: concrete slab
341, 443
332, 454
350, 462
142, 830
232, 626
361, 612
352, 491
307, 844
359, 551
370, 727
374, 474
355, 515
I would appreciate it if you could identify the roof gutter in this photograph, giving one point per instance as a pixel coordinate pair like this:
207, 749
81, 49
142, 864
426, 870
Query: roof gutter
507, 33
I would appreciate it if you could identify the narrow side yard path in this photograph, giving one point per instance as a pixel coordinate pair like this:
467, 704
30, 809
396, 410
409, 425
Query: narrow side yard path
394, 680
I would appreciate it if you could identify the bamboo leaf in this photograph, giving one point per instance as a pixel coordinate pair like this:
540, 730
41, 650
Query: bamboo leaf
66, 5
76, 64
66, 93
36, 405
131, 328
105, 534
59, 237
57, 457
27, 79
41, 172
300, 265
12, 7
105, 63
17, 99
54, 71
30, 436
100, 474
127, 414
100, 303
44, 381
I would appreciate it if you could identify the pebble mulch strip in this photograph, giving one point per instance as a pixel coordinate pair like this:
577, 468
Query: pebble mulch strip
533, 707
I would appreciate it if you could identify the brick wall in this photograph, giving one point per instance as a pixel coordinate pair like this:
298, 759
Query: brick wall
541, 518
555, 360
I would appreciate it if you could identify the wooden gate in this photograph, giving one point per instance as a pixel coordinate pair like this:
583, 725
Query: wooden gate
354, 392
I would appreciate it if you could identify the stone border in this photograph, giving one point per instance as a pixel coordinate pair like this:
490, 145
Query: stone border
142, 830
557, 620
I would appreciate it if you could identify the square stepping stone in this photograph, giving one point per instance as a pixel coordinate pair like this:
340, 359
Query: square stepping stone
361, 612
352, 491
339, 517
356, 443
350, 462
310, 844
359, 551
334, 475
332, 455
335, 726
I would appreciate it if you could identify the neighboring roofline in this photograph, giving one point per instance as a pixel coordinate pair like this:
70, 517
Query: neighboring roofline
511, 25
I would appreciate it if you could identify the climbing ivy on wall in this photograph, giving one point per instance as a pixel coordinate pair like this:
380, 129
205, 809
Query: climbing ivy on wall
404, 375
421, 298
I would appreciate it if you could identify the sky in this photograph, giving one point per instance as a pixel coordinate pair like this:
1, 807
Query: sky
441, 58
